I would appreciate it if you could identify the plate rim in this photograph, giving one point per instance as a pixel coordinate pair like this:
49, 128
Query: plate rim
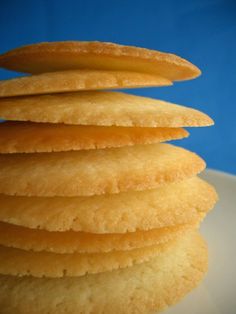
220, 173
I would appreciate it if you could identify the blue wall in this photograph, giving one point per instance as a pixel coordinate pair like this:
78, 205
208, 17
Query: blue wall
203, 31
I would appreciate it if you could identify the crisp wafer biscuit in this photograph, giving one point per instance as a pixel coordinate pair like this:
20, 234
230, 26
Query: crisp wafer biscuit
153, 285
80, 242
168, 205
101, 108
29, 137
71, 81
91, 172
45, 264
59, 56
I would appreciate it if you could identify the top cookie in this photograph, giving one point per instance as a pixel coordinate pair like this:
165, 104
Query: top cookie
71, 55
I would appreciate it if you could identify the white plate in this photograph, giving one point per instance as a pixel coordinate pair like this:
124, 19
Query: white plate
217, 293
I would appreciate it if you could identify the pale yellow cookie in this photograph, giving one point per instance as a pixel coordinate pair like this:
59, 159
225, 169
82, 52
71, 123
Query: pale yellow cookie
168, 205
71, 81
81, 242
149, 286
38, 264
29, 137
91, 172
101, 108
46, 264
70, 55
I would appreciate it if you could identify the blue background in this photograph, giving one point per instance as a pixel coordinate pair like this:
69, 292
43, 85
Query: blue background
203, 31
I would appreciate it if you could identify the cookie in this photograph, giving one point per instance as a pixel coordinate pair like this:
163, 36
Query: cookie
81, 242
150, 286
71, 81
39, 264
95, 172
70, 55
101, 108
46, 264
29, 137
168, 205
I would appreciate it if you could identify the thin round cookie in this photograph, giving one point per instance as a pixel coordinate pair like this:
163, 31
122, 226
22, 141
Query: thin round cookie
81, 242
70, 55
171, 204
78, 80
19, 262
29, 137
149, 286
46, 264
95, 172
101, 108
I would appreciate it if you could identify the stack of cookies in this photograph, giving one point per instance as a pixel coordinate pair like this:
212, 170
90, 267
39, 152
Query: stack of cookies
96, 214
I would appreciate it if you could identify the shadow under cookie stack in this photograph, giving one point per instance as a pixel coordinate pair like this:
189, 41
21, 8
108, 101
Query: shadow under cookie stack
96, 214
